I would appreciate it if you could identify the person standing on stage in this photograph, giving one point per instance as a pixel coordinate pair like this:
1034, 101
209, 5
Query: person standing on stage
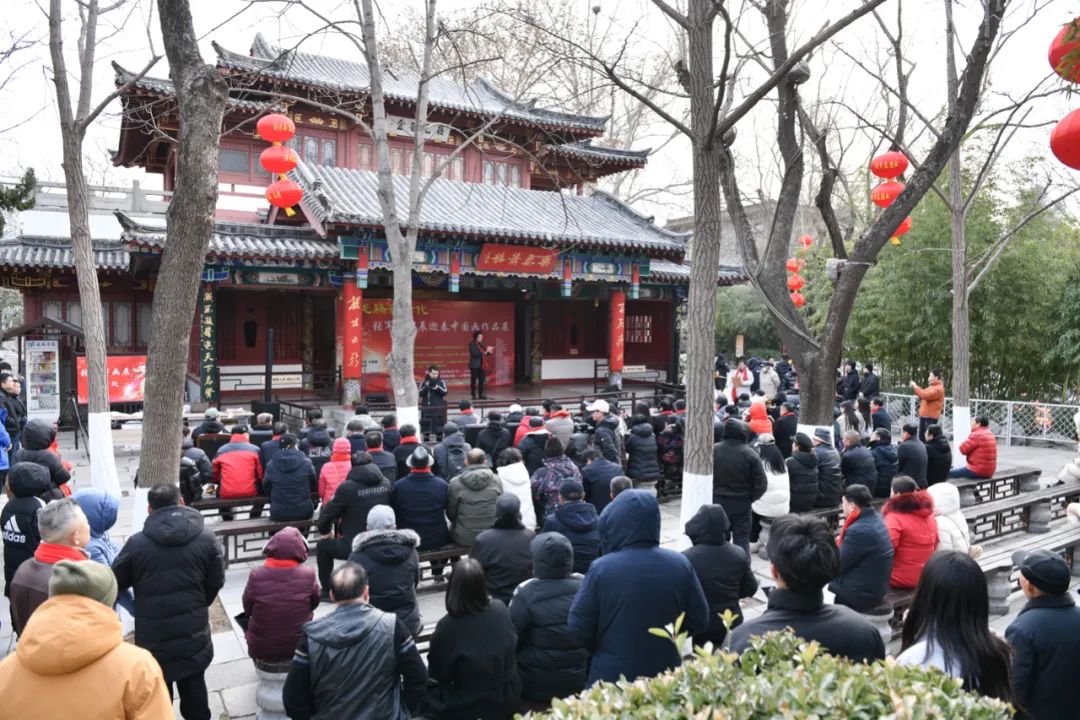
477, 351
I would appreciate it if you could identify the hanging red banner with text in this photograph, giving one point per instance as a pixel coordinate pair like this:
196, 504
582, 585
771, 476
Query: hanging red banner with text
516, 259
127, 374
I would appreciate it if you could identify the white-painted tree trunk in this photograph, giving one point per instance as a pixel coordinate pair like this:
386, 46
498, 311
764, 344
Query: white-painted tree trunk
696, 491
140, 510
961, 428
408, 415
102, 461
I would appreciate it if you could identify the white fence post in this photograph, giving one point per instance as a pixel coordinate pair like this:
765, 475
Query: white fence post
1008, 423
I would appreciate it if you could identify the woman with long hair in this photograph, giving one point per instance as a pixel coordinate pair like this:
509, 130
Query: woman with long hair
948, 627
850, 419
777, 498
863, 406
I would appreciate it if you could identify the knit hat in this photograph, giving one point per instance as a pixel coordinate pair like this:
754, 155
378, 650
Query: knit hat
342, 445
766, 439
571, 490
83, 577
450, 428
823, 435
212, 413
1044, 569
514, 408
419, 459
536, 422
381, 517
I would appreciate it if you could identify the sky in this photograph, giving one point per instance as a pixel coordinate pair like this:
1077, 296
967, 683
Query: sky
34, 140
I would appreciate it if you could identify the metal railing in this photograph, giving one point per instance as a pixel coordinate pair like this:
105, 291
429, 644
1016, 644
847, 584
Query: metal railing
1011, 421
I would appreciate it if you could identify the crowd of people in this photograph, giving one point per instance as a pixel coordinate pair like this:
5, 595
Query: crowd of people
563, 574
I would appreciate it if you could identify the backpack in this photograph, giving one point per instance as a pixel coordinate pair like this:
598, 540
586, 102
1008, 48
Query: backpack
455, 461
190, 487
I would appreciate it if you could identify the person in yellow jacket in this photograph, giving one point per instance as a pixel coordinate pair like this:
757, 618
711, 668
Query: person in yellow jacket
72, 661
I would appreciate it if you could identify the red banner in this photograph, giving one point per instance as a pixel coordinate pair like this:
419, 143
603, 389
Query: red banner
444, 331
516, 259
127, 374
354, 298
617, 326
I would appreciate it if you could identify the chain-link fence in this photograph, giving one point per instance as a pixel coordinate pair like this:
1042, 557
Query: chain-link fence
1010, 421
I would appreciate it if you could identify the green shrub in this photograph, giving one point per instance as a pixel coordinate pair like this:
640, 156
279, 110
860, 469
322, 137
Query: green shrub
781, 676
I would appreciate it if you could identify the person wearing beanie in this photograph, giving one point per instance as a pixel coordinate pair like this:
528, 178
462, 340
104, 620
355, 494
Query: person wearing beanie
279, 597
578, 522
393, 566
471, 499
336, 469
1045, 638
289, 481
71, 660
503, 550
450, 452
531, 445
419, 502
345, 515
642, 463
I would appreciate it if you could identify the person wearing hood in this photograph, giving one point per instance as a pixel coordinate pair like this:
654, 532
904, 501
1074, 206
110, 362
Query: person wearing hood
364, 488
419, 502
238, 472
280, 596
317, 444
911, 455
857, 462
176, 567
494, 438
100, 509
784, 429
408, 442
830, 475
72, 661
578, 522
27, 485
606, 437
953, 532
547, 480
642, 462
866, 553
758, 418
885, 462
336, 469
931, 401
802, 474
357, 662
503, 551
393, 566
450, 452
289, 481
560, 424
471, 499
596, 477
526, 426
198, 457
211, 425
550, 661
909, 517
515, 479
738, 479
938, 455
532, 444
37, 436
722, 569
611, 616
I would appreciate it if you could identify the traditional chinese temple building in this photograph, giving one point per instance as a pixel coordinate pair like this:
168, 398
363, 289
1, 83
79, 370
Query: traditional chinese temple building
564, 283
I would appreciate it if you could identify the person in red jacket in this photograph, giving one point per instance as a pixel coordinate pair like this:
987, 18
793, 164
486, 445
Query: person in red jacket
334, 472
238, 472
980, 449
909, 518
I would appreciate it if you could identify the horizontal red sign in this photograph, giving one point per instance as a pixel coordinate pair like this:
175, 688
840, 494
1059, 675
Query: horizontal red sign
127, 374
516, 259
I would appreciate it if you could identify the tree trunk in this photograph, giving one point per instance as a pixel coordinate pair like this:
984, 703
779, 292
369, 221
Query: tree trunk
201, 94
705, 261
102, 463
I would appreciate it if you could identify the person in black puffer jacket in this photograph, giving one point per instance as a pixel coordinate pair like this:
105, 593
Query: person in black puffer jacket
938, 455
493, 439
642, 464
176, 567
803, 474
830, 477
578, 522
393, 566
37, 436
722, 568
856, 462
738, 479
606, 437
885, 461
503, 550
27, 486
289, 480
550, 662
532, 445
318, 445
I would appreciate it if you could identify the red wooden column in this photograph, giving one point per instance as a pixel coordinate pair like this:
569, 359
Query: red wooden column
617, 327
353, 346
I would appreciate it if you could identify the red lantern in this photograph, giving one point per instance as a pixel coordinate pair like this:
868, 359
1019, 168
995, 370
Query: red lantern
806, 241
284, 194
275, 127
797, 299
794, 282
904, 227
886, 192
891, 164
1065, 140
794, 265
278, 159
1065, 52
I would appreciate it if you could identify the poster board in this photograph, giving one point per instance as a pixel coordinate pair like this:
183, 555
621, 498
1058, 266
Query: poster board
127, 376
43, 380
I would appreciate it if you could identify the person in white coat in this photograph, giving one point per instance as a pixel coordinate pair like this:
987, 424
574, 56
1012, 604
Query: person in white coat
768, 381
953, 533
777, 498
515, 480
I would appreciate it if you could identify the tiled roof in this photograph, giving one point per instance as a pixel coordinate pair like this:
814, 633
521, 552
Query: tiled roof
340, 195
590, 153
478, 96
164, 88
38, 252
241, 240
663, 271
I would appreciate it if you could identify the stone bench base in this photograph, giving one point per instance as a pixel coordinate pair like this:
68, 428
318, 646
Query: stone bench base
268, 694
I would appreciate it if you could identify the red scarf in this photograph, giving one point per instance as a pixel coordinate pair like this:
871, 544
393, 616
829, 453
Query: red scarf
237, 438
847, 521
51, 553
417, 471
272, 562
409, 439
467, 411
375, 450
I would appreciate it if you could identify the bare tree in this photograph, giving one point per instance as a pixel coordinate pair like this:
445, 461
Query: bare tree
76, 116
201, 94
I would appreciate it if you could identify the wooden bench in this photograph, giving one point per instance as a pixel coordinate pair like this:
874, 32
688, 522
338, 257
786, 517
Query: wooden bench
423, 640
1006, 482
212, 506
441, 558
1027, 512
243, 540
998, 566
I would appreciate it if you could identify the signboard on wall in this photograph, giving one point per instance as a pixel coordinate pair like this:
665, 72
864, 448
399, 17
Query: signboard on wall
127, 374
43, 380
517, 259
444, 331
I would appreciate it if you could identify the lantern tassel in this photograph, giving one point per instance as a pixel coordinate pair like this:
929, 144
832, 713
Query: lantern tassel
289, 212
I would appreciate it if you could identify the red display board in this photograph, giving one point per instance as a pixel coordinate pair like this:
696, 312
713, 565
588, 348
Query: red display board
444, 331
127, 374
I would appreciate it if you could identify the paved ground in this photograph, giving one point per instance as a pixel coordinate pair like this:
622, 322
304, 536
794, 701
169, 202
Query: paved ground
231, 678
